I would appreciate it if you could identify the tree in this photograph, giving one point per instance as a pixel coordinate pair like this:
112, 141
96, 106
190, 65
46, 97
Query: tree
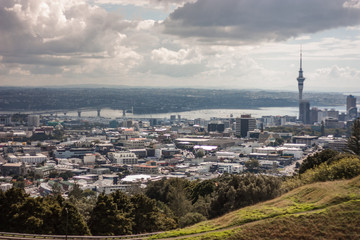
353, 142
21, 213
10, 202
75, 223
202, 189
107, 219
202, 206
85, 204
76, 192
236, 191
178, 201
316, 159
148, 217
190, 219
200, 153
20, 182
252, 165
66, 175
56, 189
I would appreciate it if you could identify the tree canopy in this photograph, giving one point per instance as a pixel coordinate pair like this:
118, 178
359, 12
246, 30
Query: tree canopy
353, 142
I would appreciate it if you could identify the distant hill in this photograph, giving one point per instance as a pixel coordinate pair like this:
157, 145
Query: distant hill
152, 100
323, 210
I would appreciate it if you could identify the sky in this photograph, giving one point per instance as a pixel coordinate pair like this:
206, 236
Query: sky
227, 44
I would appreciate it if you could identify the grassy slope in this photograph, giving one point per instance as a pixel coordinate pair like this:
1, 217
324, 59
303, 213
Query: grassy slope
324, 210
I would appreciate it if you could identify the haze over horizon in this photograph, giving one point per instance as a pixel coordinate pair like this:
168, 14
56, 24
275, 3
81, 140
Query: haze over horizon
229, 44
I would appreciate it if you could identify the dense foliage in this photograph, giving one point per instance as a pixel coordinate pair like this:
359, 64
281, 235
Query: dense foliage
48, 215
317, 159
118, 214
212, 198
353, 143
236, 191
166, 204
325, 166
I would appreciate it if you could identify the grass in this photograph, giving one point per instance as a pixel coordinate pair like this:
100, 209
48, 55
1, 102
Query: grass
317, 202
341, 221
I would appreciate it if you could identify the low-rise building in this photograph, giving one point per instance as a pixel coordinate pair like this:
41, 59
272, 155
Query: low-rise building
5, 186
89, 158
72, 152
230, 168
124, 157
44, 171
308, 140
145, 169
27, 158
13, 169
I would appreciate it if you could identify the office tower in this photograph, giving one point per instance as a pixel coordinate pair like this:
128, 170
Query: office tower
352, 113
304, 108
314, 115
244, 124
350, 102
33, 120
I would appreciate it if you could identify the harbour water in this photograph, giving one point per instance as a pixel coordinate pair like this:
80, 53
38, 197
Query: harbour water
204, 113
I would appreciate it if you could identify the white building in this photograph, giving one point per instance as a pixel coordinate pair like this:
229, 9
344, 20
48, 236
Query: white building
89, 158
33, 120
226, 155
136, 143
27, 158
230, 168
5, 186
123, 157
281, 151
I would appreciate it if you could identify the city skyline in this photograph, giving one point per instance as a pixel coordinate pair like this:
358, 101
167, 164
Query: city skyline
188, 43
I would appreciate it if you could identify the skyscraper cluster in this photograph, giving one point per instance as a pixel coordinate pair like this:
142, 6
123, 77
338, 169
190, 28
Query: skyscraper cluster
308, 116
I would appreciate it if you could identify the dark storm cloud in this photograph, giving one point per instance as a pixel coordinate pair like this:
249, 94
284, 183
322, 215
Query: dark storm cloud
250, 21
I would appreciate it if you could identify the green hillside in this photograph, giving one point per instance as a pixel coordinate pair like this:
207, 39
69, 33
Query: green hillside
322, 210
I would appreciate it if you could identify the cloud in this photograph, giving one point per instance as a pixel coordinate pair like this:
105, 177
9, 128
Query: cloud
352, 4
58, 33
175, 64
157, 4
329, 78
181, 57
249, 21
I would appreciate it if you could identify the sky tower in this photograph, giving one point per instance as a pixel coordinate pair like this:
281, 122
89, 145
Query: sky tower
304, 105
300, 78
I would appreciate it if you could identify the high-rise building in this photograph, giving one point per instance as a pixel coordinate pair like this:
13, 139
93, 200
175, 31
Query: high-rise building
244, 124
350, 102
304, 108
352, 113
33, 120
314, 115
